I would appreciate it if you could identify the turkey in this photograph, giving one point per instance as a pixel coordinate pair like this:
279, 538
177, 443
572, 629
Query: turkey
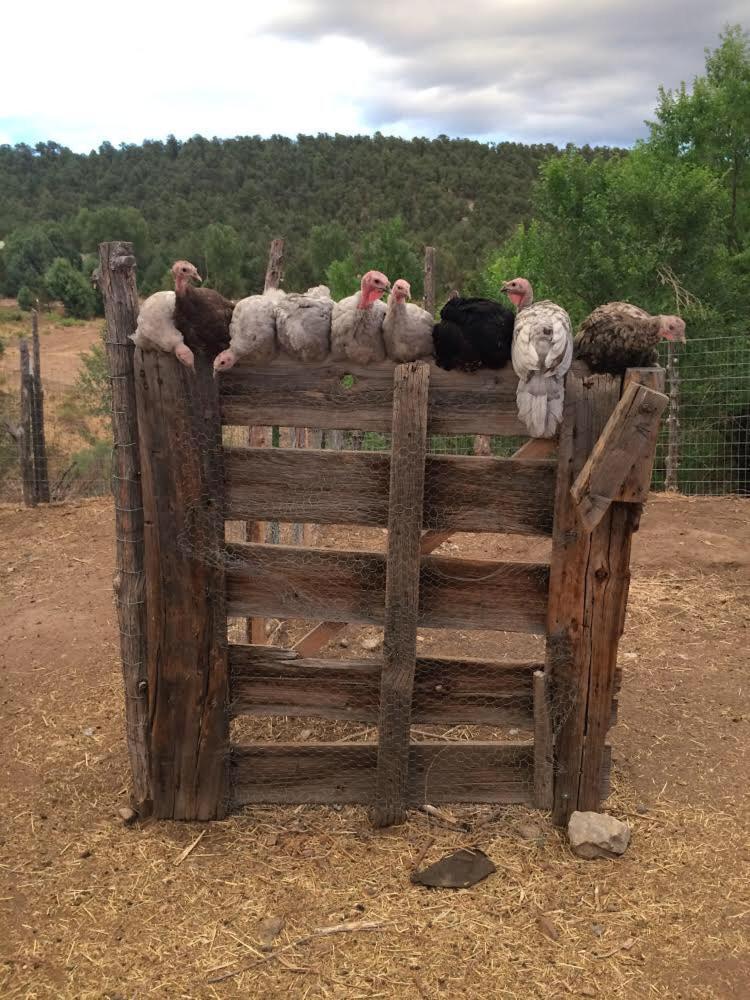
357, 322
619, 336
542, 353
407, 329
252, 331
303, 324
155, 328
202, 315
473, 333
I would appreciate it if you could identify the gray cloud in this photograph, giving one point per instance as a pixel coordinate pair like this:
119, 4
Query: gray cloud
536, 72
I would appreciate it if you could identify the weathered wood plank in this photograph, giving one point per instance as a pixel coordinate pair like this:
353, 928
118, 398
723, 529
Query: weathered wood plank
331, 773
180, 437
334, 395
347, 586
24, 432
587, 599
428, 302
118, 287
325, 632
622, 460
406, 499
462, 493
543, 743
266, 680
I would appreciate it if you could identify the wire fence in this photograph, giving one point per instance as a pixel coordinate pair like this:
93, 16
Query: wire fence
704, 446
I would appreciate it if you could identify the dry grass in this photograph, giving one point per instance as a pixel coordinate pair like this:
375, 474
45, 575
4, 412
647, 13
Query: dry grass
92, 909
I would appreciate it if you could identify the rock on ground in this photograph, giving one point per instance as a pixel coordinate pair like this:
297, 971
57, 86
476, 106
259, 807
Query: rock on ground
595, 835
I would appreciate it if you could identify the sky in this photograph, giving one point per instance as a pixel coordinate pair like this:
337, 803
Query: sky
525, 70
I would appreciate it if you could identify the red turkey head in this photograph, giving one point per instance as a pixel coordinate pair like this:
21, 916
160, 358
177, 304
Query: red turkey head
184, 272
401, 290
519, 291
374, 284
672, 328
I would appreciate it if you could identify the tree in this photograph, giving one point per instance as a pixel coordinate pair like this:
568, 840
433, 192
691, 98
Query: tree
711, 125
64, 282
28, 254
222, 253
387, 247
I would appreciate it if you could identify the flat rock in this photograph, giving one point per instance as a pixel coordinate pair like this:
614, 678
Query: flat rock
372, 642
596, 835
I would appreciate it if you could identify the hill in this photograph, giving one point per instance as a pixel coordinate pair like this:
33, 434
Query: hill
462, 196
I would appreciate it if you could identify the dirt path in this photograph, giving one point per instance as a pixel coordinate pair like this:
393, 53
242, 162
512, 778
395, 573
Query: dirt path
89, 909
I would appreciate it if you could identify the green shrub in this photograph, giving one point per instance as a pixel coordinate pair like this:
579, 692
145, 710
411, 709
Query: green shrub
65, 283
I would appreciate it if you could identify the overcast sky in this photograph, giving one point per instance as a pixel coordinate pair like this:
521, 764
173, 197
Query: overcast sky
529, 70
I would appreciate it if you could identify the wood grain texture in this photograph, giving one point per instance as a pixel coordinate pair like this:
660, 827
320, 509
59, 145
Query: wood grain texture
24, 433
589, 577
348, 586
622, 460
406, 499
334, 395
118, 287
543, 744
331, 773
428, 302
266, 680
461, 493
180, 437
41, 473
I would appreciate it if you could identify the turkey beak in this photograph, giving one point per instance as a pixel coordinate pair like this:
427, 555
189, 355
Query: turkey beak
198, 277
505, 286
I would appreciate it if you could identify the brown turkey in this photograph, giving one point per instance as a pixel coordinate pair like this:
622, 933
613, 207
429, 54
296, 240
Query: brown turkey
202, 315
619, 336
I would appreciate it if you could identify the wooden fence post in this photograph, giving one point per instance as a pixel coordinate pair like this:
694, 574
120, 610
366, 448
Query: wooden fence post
429, 280
409, 448
184, 558
262, 437
23, 433
589, 579
117, 283
672, 470
41, 473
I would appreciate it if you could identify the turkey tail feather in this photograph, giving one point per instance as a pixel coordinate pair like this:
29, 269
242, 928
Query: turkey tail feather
540, 404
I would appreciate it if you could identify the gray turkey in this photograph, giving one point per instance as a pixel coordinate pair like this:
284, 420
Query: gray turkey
541, 355
619, 335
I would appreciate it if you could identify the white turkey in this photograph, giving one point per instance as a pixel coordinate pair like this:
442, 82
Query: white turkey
407, 329
357, 322
303, 324
155, 328
252, 331
541, 355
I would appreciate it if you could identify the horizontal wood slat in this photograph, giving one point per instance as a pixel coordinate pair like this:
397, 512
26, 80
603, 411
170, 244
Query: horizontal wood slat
269, 681
295, 582
333, 395
331, 773
462, 493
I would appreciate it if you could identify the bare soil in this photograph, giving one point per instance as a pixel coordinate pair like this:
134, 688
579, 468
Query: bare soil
92, 909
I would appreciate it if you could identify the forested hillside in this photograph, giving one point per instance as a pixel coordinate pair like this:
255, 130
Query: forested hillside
219, 202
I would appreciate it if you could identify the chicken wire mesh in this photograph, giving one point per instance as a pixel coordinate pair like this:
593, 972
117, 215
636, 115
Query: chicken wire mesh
306, 558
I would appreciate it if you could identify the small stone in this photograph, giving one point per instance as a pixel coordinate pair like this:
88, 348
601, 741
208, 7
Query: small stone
529, 831
85, 854
344, 643
596, 835
88, 731
641, 809
127, 815
305, 734
513, 732
372, 642
597, 929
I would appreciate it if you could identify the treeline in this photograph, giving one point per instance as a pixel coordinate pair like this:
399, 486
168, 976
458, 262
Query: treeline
219, 203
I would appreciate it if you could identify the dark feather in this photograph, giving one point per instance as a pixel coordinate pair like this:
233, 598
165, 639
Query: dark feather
618, 336
203, 315
473, 333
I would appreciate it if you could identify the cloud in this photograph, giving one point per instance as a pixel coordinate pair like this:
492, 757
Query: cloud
517, 69
545, 71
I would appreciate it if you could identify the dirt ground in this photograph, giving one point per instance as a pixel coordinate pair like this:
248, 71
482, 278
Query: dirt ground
92, 909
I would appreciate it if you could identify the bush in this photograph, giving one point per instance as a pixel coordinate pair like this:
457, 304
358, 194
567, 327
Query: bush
25, 298
93, 384
65, 283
